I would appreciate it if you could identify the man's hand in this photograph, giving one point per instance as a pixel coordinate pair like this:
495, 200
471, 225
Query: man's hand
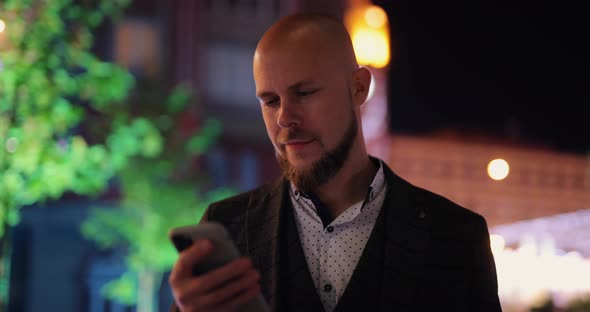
223, 289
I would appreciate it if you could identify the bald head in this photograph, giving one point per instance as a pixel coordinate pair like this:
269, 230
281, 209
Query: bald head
316, 34
304, 48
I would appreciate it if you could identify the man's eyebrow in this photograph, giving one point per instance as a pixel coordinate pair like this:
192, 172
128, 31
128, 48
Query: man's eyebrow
265, 94
300, 84
296, 86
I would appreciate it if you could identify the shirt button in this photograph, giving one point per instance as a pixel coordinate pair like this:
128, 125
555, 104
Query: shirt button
327, 288
330, 229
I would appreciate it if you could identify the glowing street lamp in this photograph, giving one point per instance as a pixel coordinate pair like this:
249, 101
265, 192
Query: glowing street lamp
369, 30
498, 169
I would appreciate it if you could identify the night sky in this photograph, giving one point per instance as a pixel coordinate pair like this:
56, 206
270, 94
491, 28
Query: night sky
515, 71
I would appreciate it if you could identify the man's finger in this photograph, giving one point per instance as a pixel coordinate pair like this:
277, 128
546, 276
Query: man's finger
241, 299
231, 290
231, 271
188, 259
191, 292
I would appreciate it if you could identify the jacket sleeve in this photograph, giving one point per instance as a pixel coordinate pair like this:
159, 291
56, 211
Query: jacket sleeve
485, 282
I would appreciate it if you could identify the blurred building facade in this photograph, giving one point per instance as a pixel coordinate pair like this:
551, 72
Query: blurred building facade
540, 182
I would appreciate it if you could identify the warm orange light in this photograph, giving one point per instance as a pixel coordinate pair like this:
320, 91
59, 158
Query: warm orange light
375, 17
369, 31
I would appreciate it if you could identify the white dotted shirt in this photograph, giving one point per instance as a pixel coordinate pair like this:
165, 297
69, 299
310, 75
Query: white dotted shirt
333, 251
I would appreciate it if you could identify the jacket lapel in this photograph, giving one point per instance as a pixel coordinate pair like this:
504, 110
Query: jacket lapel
272, 241
392, 263
407, 238
259, 239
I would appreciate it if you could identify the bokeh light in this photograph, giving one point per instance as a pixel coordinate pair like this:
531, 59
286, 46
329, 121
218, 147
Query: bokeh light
11, 145
375, 17
368, 28
497, 243
498, 169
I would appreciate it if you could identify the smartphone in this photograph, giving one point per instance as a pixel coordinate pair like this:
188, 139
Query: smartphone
224, 251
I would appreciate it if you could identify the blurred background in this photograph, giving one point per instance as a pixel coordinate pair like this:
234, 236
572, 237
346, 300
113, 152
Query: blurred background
120, 119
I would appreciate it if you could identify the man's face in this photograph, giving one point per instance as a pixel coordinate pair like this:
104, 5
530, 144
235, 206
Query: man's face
307, 109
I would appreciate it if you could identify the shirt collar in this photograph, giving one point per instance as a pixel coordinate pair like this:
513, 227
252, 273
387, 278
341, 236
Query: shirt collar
376, 187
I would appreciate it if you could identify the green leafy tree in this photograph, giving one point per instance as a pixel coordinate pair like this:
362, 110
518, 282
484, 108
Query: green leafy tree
157, 194
50, 83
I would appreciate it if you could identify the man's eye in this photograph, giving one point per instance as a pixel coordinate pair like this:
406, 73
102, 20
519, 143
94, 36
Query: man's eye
305, 92
271, 102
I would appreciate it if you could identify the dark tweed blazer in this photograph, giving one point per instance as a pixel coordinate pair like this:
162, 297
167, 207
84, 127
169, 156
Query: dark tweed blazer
425, 253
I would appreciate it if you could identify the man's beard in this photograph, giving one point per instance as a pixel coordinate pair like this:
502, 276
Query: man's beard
322, 170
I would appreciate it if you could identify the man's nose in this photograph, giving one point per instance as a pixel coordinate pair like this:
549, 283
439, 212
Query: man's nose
289, 115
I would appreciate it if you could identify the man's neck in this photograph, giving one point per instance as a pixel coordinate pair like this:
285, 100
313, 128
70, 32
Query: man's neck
348, 186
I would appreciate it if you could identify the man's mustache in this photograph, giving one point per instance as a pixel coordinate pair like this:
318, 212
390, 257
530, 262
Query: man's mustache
287, 135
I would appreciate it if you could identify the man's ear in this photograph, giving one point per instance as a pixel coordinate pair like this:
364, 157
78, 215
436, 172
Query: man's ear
361, 79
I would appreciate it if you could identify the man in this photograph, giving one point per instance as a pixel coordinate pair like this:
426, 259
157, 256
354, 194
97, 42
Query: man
339, 231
